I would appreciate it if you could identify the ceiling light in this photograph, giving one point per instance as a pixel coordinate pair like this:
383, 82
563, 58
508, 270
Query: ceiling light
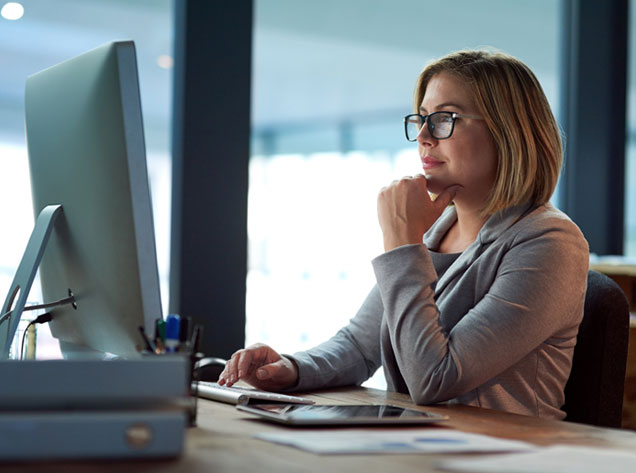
165, 62
12, 11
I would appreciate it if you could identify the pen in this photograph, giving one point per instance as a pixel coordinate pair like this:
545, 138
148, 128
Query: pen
173, 326
146, 341
160, 329
160, 335
196, 335
184, 334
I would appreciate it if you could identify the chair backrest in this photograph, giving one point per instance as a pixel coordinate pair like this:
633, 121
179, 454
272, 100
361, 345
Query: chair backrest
594, 391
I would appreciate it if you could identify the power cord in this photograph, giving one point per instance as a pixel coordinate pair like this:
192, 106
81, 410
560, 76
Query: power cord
49, 305
40, 319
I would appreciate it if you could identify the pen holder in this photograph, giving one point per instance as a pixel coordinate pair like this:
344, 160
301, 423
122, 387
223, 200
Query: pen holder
189, 400
177, 336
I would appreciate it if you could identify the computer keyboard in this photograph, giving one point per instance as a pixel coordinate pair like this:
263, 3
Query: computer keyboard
241, 395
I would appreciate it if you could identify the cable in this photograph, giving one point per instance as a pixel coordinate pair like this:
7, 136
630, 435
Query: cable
5, 316
67, 300
40, 319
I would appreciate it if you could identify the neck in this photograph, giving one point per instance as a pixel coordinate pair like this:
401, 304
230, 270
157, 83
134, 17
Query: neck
464, 231
469, 222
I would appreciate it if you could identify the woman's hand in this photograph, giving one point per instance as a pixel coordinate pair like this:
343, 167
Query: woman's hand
260, 366
406, 211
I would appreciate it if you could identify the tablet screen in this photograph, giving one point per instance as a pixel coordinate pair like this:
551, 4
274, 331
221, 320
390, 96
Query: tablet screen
342, 414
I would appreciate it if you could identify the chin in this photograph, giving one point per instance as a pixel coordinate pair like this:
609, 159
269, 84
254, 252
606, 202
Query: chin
435, 185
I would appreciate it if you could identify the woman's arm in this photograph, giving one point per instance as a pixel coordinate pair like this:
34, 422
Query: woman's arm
350, 357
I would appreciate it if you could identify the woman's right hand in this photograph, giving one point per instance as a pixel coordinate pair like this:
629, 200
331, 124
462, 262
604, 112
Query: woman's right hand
406, 211
260, 366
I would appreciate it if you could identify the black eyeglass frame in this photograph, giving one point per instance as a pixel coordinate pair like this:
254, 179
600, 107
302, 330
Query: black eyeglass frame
425, 119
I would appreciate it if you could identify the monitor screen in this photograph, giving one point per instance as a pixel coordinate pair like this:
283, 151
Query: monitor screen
87, 152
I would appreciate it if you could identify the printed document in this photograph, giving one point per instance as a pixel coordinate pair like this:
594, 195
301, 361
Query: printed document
329, 441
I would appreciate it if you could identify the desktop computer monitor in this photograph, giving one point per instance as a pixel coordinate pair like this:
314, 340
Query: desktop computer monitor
86, 152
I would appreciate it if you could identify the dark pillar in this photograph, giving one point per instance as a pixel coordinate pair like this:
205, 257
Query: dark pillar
593, 111
211, 136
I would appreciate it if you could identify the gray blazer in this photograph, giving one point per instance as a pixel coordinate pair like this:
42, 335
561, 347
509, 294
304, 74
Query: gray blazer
497, 330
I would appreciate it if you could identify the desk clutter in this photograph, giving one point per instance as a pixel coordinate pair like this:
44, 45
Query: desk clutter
175, 334
94, 405
504, 455
94, 409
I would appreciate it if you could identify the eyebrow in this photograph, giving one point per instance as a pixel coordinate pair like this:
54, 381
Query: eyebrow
444, 105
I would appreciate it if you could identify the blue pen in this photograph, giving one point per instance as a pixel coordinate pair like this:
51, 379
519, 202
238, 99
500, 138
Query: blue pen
173, 325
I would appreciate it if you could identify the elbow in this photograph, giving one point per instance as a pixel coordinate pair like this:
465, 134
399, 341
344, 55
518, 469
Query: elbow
420, 400
423, 398
431, 384
424, 394
440, 386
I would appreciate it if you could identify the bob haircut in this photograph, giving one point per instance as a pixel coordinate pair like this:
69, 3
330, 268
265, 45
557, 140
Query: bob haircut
517, 113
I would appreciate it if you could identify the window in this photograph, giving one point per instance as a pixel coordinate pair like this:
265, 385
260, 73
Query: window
630, 154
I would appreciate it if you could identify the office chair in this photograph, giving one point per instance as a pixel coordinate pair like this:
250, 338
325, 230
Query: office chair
594, 391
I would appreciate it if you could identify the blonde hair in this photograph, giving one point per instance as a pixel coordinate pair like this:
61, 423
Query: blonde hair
518, 115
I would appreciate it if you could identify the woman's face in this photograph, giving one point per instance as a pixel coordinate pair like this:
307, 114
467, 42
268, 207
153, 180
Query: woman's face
469, 157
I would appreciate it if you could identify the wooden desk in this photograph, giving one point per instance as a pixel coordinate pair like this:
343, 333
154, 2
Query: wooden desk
222, 441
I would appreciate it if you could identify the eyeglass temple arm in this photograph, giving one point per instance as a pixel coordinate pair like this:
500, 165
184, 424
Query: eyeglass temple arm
463, 115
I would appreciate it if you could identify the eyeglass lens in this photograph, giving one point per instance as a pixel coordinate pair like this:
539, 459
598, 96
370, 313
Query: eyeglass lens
440, 125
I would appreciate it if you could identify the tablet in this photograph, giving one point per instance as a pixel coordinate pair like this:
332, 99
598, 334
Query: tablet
341, 415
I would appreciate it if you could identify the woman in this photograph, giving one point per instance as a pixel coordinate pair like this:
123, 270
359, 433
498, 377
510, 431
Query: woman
479, 302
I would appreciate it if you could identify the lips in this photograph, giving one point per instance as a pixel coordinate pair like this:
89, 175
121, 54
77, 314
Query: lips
429, 162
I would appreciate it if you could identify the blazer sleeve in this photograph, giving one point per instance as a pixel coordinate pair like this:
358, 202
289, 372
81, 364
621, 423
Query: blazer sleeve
348, 358
538, 289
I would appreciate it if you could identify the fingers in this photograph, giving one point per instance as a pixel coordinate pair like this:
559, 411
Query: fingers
270, 371
261, 367
278, 375
236, 367
405, 179
406, 210
245, 362
446, 196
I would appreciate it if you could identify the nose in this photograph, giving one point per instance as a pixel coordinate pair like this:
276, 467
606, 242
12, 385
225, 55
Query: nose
424, 137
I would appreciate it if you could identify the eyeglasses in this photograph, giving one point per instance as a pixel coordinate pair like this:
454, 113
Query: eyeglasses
440, 124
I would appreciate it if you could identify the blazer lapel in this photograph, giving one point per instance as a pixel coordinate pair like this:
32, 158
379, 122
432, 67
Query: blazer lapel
492, 229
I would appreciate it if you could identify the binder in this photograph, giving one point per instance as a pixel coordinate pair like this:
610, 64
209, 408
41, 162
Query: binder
94, 409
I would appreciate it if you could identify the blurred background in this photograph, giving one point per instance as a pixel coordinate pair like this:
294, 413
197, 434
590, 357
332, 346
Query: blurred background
331, 82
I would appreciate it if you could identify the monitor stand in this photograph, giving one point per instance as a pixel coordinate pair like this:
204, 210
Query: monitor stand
24, 276
74, 351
